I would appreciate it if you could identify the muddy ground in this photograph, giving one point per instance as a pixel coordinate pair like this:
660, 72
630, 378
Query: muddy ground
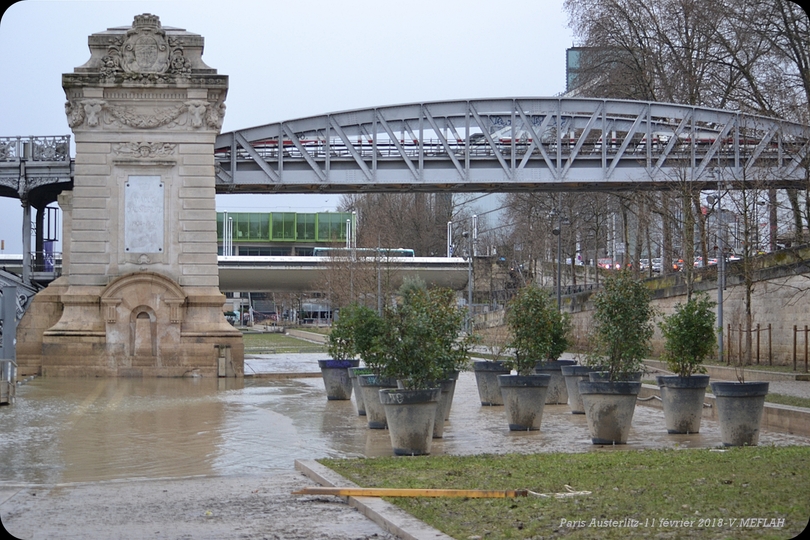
216, 508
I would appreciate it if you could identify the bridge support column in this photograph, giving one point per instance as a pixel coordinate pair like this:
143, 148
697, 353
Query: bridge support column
140, 292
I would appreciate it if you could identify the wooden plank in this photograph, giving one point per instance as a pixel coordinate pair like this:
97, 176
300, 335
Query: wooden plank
402, 492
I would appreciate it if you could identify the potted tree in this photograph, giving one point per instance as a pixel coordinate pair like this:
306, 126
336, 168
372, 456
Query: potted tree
417, 344
531, 318
621, 338
487, 371
739, 409
453, 349
340, 346
689, 339
356, 325
559, 328
368, 328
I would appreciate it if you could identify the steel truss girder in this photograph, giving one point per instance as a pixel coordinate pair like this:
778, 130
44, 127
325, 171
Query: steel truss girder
33, 164
511, 144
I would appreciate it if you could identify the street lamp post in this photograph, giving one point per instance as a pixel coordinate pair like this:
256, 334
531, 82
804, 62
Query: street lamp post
558, 233
465, 234
721, 268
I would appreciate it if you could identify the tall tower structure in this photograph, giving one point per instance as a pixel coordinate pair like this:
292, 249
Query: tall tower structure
140, 295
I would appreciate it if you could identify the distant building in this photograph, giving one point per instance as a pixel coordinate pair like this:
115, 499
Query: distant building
282, 233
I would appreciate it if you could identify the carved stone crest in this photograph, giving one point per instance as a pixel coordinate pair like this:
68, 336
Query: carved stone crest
145, 49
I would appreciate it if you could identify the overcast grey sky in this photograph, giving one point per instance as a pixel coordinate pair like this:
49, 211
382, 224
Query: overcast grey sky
291, 59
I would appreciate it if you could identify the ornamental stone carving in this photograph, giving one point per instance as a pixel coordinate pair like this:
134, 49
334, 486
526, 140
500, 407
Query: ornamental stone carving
128, 117
194, 113
92, 111
75, 114
144, 149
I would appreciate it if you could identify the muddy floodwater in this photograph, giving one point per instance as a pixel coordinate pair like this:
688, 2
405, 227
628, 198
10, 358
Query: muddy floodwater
80, 430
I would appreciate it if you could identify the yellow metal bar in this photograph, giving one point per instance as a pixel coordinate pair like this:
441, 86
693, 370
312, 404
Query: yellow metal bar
397, 492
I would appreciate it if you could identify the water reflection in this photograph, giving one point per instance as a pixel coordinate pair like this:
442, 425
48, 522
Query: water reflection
67, 430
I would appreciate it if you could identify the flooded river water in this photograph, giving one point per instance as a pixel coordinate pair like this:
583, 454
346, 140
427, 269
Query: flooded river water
79, 430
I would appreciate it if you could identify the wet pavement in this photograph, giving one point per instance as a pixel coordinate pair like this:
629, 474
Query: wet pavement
74, 431
78, 430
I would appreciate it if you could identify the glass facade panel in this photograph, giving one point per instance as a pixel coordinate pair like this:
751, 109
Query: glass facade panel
305, 227
241, 226
283, 226
332, 226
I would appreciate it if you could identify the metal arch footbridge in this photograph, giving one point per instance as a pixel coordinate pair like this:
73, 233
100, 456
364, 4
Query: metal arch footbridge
507, 144
512, 144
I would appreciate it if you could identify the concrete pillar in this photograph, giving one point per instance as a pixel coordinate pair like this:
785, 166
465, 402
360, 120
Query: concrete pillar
140, 242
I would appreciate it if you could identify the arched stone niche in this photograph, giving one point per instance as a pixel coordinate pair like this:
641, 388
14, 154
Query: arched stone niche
143, 312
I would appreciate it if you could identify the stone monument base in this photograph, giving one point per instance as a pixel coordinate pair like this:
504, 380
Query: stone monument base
140, 325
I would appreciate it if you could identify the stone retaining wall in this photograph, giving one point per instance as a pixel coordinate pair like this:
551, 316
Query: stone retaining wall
781, 297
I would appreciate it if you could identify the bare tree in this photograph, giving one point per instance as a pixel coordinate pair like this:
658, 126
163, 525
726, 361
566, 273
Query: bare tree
416, 221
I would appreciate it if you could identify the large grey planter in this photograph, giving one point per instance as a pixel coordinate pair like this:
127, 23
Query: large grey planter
572, 375
557, 390
452, 377
486, 378
410, 415
609, 408
443, 407
524, 397
682, 401
739, 411
605, 376
336, 379
371, 386
358, 392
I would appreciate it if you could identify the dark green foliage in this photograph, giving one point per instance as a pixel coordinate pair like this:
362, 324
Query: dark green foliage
355, 332
420, 340
340, 343
623, 325
539, 330
689, 336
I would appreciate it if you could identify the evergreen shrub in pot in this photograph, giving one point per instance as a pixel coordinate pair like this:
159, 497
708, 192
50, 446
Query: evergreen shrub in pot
418, 345
622, 329
689, 338
368, 328
537, 330
341, 349
487, 370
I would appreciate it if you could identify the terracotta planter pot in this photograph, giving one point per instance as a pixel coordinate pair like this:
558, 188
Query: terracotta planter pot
410, 415
524, 397
739, 411
682, 400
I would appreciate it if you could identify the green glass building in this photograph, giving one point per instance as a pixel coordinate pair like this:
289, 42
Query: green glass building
283, 233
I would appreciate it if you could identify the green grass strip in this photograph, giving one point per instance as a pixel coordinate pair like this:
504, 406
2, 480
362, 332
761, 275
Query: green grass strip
271, 343
685, 493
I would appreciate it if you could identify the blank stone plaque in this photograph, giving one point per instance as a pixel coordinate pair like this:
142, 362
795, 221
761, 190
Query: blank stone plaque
143, 214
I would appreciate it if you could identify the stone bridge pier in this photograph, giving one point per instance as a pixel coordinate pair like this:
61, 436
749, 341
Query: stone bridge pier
139, 295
